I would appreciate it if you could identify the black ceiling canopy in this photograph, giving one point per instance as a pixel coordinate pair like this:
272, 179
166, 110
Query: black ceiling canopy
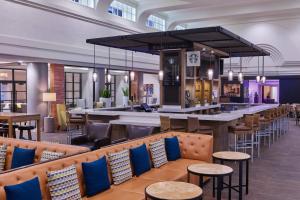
214, 37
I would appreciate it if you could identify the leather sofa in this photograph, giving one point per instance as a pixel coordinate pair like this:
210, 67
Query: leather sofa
39, 146
195, 148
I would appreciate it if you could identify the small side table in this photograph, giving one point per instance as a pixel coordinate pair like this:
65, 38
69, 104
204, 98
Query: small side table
214, 171
241, 158
49, 125
172, 190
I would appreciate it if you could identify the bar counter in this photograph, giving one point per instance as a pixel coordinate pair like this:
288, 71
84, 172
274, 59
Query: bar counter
219, 122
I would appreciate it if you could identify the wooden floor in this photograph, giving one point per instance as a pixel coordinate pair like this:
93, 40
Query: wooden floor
276, 175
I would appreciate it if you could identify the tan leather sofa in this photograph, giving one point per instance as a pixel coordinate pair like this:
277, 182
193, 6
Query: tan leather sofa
39, 146
195, 148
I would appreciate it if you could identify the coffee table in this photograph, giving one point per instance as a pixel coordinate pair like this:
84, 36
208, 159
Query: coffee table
231, 156
173, 190
212, 170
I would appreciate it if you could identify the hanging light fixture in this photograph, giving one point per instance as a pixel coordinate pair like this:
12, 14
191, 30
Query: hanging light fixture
263, 78
230, 72
210, 71
258, 76
95, 75
126, 76
108, 76
240, 74
132, 72
161, 75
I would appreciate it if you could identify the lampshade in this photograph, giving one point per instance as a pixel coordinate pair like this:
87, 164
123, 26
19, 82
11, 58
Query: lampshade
95, 76
132, 75
126, 78
257, 79
49, 96
109, 78
263, 79
240, 76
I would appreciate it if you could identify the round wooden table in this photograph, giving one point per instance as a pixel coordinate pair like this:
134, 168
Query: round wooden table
173, 190
215, 171
231, 156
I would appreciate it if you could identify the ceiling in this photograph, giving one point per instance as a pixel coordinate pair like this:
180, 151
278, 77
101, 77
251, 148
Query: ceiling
203, 13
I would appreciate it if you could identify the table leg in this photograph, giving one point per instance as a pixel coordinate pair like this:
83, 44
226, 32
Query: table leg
214, 188
219, 187
240, 180
229, 188
10, 129
247, 176
38, 130
201, 181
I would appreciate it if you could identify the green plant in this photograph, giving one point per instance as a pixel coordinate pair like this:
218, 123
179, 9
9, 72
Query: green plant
125, 92
105, 93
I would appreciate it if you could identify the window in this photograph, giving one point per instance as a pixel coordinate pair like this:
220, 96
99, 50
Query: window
156, 22
72, 88
180, 27
89, 3
122, 10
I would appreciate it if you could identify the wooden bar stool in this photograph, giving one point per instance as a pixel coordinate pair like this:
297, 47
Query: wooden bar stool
193, 126
266, 126
27, 128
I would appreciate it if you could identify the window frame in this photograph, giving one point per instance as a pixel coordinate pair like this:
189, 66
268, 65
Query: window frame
73, 91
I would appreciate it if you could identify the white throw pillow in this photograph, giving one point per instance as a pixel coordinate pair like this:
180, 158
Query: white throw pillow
50, 155
158, 153
3, 150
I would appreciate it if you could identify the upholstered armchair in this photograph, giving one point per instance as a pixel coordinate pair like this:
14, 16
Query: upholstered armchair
97, 136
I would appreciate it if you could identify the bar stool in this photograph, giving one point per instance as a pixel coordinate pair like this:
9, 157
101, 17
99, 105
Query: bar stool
15, 126
193, 126
166, 125
241, 132
265, 127
27, 128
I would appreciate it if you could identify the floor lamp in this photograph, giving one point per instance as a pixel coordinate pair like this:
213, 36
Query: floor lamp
49, 97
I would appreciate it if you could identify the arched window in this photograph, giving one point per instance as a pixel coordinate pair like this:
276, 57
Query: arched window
122, 10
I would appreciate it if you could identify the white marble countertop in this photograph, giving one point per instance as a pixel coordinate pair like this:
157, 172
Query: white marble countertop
187, 110
152, 118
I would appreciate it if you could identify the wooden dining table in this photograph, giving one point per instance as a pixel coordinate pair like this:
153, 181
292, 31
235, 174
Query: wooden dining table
12, 118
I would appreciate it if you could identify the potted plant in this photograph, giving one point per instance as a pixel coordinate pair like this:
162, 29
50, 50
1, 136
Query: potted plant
125, 96
105, 97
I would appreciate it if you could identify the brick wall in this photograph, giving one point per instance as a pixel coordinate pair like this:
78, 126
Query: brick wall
57, 85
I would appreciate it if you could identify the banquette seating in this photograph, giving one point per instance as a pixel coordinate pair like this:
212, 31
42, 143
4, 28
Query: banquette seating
39, 148
194, 148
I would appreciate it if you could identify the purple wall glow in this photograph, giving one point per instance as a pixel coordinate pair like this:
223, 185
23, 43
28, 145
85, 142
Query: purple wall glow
257, 87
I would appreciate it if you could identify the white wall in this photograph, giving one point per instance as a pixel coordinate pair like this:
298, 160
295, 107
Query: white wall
56, 31
153, 79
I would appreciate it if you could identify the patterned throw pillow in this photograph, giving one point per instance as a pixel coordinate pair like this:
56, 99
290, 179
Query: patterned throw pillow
50, 155
3, 149
120, 166
158, 153
63, 184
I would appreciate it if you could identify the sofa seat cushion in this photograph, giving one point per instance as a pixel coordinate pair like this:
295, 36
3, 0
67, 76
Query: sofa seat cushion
164, 174
180, 164
136, 185
115, 193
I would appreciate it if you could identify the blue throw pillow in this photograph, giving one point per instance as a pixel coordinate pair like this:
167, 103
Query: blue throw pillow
27, 190
22, 157
95, 176
140, 159
172, 148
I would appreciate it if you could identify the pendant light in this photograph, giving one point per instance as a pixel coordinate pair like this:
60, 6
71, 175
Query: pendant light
263, 78
210, 71
258, 76
95, 75
161, 75
240, 75
132, 72
230, 72
126, 76
108, 72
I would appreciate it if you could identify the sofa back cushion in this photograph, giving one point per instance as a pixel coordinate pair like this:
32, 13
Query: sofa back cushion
95, 176
22, 157
120, 166
172, 148
29, 189
140, 159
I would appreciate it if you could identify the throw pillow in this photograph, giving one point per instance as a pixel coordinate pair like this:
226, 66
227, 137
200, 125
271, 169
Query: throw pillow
3, 150
22, 157
158, 153
120, 166
140, 159
95, 176
63, 184
50, 155
172, 148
